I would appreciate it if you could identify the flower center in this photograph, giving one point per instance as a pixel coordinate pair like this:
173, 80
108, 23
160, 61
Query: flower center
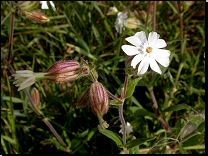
148, 49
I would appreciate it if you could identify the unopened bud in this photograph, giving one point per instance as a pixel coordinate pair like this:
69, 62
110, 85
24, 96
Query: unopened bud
132, 23
27, 5
36, 97
64, 71
35, 15
84, 99
99, 102
129, 69
112, 11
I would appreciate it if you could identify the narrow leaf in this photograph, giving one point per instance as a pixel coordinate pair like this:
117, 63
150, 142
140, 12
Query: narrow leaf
176, 108
137, 142
115, 137
114, 102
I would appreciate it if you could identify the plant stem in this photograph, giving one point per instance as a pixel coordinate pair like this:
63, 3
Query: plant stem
154, 16
123, 94
181, 28
54, 132
11, 31
151, 77
33, 105
148, 12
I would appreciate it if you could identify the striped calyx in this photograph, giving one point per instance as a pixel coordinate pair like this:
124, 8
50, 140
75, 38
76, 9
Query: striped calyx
99, 102
63, 71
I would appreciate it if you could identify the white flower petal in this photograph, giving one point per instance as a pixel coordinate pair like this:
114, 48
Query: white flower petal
152, 38
164, 62
130, 50
143, 66
160, 43
154, 66
24, 71
136, 60
28, 82
134, 40
52, 5
44, 5
162, 53
142, 36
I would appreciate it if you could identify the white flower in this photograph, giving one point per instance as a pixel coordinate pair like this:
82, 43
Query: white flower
24, 79
120, 21
45, 6
112, 11
147, 52
128, 128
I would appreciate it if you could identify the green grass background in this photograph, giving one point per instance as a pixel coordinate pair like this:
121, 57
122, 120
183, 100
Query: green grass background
82, 29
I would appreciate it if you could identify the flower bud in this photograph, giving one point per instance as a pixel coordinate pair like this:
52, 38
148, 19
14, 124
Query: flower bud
35, 15
112, 11
84, 99
99, 102
27, 5
36, 97
64, 71
132, 23
129, 69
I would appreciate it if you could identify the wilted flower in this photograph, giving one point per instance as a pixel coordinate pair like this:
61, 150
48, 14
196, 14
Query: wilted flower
45, 6
120, 21
147, 52
112, 11
35, 15
128, 129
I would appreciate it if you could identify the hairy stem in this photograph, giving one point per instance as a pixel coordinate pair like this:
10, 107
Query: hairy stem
123, 94
54, 132
3, 59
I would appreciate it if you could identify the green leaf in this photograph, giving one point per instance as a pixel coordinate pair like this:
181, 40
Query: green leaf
108, 28
182, 150
14, 99
91, 133
195, 140
195, 119
137, 142
172, 7
10, 140
131, 86
114, 102
141, 112
201, 127
115, 137
176, 108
